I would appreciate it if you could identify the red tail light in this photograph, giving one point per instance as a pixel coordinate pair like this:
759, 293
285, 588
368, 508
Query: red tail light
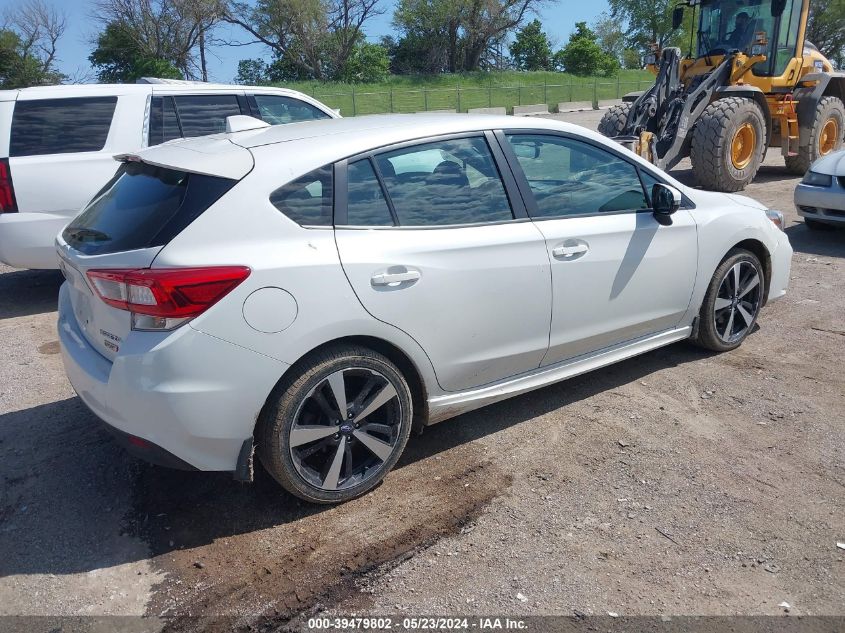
8, 204
167, 293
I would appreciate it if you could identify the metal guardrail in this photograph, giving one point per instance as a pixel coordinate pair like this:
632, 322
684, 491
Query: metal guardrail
461, 98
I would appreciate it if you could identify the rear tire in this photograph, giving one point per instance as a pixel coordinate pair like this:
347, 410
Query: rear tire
830, 113
728, 144
333, 430
613, 121
724, 321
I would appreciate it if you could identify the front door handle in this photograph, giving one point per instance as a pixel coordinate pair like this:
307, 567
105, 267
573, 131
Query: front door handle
569, 252
385, 279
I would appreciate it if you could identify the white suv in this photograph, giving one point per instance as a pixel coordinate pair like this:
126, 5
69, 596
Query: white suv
57, 144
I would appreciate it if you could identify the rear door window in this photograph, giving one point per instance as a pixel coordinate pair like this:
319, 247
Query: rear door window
200, 115
279, 110
447, 182
164, 124
366, 204
183, 116
61, 126
143, 206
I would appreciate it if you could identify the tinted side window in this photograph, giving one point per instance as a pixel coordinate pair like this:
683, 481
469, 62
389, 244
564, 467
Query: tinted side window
200, 115
277, 110
648, 182
366, 205
308, 199
61, 126
568, 177
454, 181
164, 124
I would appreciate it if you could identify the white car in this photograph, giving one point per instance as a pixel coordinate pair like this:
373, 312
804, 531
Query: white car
57, 145
314, 291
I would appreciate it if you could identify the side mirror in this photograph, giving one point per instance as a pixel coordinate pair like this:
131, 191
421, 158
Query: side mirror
778, 7
665, 200
677, 17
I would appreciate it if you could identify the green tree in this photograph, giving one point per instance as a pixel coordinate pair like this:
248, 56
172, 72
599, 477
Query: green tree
29, 39
531, 49
172, 30
18, 69
252, 72
368, 63
119, 58
631, 59
429, 35
609, 35
647, 20
582, 55
459, 35
826, 29
314, 37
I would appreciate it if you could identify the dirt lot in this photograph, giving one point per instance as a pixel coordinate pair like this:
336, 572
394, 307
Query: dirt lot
678, 482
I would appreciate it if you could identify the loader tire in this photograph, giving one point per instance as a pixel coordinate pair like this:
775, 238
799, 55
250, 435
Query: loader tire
728, 144
613, 122
826, 133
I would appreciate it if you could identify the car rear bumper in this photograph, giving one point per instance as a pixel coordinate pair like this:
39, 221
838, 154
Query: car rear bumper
28, 240
825, 204
187, 398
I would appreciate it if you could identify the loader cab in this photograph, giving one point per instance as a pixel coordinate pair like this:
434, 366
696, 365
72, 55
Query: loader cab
773, 28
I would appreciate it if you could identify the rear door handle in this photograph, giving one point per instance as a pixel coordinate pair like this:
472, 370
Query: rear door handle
385, 279
567, 252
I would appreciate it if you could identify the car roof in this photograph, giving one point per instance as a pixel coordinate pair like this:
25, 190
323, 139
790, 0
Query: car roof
66, 91
375, 128
319, 142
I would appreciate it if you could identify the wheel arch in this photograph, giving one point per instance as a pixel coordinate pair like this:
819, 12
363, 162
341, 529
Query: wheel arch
808, 97
409, 369
762, 253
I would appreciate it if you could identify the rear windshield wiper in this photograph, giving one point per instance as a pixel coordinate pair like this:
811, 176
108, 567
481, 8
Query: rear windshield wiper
88, 235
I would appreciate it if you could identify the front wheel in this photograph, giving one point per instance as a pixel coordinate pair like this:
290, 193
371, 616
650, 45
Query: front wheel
732, 303
335, 428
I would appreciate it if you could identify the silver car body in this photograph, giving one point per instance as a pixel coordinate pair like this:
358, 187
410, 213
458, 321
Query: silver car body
824, 203
492, 310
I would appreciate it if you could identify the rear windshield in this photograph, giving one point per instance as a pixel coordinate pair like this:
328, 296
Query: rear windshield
143, 206
61, 126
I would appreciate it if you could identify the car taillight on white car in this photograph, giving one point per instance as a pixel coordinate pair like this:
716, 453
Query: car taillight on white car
8, 204
162, 299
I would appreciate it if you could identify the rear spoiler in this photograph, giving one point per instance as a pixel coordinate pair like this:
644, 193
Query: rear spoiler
204, 155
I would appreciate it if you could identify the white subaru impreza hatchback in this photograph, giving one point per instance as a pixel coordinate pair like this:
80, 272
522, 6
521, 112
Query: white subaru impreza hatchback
312, 292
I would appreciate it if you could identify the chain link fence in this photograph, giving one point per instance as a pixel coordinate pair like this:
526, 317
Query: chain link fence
461, 99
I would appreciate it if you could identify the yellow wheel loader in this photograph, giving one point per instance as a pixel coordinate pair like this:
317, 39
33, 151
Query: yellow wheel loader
750, 82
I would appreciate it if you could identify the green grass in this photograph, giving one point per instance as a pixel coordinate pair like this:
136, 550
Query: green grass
415, 93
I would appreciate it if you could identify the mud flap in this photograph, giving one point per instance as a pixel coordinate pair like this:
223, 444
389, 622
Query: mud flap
244, 470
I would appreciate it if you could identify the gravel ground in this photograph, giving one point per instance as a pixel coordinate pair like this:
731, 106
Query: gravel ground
679, 482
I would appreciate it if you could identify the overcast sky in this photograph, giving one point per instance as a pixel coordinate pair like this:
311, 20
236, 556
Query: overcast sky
558, 19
